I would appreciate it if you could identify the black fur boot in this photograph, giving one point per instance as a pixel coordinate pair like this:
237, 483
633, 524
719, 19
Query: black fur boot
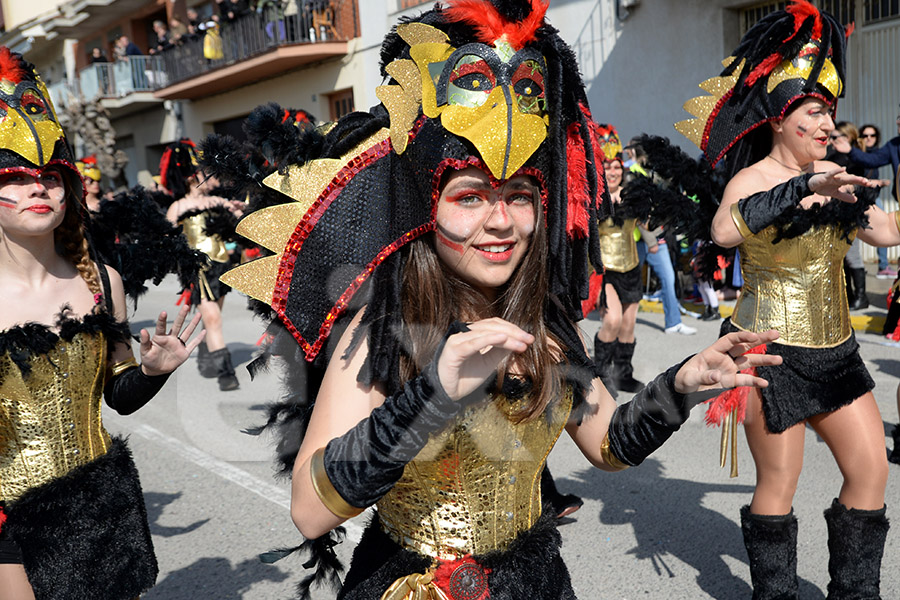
563, 504
205, 364
623, 372
895, 454
860, 299
221, 359
855, 547
603, 355
771, 543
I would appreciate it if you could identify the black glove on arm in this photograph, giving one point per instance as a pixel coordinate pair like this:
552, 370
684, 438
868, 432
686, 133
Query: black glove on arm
639, 427
762, 208
129, 390
363, 464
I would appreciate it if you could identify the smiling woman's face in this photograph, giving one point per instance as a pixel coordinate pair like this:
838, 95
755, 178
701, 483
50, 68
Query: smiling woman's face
483, 231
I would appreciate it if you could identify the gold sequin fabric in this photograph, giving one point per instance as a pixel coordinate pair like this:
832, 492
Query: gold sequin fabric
50, 419
210, 245
617, 246
476, 484
795, 286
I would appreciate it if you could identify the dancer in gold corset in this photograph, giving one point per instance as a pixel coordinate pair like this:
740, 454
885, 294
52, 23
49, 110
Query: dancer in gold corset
794, 217
73, 522
430, 270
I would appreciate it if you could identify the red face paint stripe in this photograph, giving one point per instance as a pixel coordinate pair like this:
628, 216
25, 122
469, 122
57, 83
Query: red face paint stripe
448, 242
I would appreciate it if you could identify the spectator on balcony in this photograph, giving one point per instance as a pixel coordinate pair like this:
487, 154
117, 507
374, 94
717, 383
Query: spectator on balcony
177, 30
193, 18
98, 56
163, 38
127, 47
230, 10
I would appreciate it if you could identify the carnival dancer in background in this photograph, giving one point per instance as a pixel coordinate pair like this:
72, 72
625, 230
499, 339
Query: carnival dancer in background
91, 175
794, 216
73, 522
615, 342
196, 208
446, 329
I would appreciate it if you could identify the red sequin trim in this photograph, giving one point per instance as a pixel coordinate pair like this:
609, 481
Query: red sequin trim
311, 350
458, 164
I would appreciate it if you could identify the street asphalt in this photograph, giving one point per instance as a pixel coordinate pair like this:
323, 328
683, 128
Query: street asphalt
668, 529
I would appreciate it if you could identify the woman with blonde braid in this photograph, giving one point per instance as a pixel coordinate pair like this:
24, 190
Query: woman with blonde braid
73, 522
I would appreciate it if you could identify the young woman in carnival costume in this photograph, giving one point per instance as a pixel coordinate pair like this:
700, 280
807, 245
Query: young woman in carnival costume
621, 279
431, 266
793, 217
73, 523
208, 220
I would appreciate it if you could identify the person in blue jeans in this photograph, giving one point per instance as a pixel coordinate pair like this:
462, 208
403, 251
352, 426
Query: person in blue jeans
660, 261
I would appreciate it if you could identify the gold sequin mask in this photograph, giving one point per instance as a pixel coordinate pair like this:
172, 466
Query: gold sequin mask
493, 96
28, 123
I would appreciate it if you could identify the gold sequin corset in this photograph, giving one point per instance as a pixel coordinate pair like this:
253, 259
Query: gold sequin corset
617, 246
795, 286
476, 484
50, 419
211, 245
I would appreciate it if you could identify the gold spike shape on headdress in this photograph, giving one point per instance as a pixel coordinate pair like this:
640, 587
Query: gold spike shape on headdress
273, 227
703, 107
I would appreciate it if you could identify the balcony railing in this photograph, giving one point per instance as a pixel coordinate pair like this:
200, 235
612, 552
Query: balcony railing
274, 24
123, 77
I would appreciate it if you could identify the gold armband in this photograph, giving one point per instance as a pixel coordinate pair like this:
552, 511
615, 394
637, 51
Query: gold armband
739, 221
609, 458
896, 215
329, 496
122, 366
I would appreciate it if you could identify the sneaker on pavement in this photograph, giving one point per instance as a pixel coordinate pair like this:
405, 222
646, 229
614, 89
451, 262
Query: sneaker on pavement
886, 273
682, 329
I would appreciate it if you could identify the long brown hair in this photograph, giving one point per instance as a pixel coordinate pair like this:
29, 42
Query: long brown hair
433, 297
72, 244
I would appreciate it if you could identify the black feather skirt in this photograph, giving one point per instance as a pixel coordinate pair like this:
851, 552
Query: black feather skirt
208, 287
85, 534
530, 568
627, 285
809, 381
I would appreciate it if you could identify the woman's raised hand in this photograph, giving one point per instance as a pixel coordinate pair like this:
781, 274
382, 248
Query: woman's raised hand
719, 365
470, 357
838, 184
165, 351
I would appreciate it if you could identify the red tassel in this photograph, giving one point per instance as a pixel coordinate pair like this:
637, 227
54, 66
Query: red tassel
2, 518
185, 297
595, 286
734, 399
490, 25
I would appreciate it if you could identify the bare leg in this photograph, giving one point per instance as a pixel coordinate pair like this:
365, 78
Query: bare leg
629, 317
778, 458
211, 313
14, 583
855, 434
612, 320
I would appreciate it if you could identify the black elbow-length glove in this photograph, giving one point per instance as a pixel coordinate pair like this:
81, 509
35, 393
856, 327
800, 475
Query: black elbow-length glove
364, 463
639, 427
762, 208
131, 389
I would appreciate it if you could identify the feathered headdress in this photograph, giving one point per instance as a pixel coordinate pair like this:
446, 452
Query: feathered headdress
179, 162
503, 94
88, 167
30, 134
787, 55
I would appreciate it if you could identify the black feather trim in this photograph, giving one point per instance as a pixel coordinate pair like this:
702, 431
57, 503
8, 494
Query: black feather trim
24, 342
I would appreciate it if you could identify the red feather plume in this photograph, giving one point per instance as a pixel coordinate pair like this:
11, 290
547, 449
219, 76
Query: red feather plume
800, 10
490, 25
576, 184
10, 66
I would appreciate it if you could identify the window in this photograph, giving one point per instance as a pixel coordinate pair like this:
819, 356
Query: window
340, 104
880, 10
843, 10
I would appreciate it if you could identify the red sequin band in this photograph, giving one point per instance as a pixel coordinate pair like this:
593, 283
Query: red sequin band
311, 350
458, 164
